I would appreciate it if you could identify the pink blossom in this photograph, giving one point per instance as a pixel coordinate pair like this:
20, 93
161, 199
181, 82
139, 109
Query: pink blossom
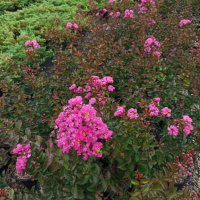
92, 101
157, 54
157, 43
129, 13
153, 110
111, 1
147, 49
28, 42
111, 14
75, 101
97, 149
187, 129
104, 10
157, 99
120, 111
111, 88
132, 113
166, 111
117, 14
72, 87
184, 22
187, 119
69, 25
149, 42
143, 10
75, 26
88, 95
97, 14
173, 130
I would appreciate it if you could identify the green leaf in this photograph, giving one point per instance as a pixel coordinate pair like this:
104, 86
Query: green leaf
48, 160
38, 139
171, 185
134, 182
1, 123
18, 126
135, 193
65, 158
85, 179
11, 194
172, 166
108, 175
145, 189
59, 152
143, 181
104, 185
28, 132
75, 192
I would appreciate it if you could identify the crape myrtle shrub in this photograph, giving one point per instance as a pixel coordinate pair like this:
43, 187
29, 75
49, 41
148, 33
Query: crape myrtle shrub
152, 64
23, 23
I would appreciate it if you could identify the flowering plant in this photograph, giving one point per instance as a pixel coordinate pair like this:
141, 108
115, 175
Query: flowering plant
87, 136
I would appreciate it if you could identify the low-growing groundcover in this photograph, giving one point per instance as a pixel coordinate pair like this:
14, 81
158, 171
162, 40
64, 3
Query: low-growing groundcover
20, 21
113, 117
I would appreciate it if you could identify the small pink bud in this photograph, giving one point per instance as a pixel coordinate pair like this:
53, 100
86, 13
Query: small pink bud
177, 157
188, 155
188, 169
183, 173
179, 165
183, 165
189, 174
183, 154
194, 193
191, 162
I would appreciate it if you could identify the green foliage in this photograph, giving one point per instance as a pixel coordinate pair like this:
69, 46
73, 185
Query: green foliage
115, 48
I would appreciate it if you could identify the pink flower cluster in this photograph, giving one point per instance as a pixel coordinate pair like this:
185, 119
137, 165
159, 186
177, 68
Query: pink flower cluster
96, 87
132, 113
166, 111
129, 13
32, 45
70, 25
80, 128
25, 153
185, 124
111, 1
153, 107
149, 46
184, 22
151, 21
120, 111
144, 9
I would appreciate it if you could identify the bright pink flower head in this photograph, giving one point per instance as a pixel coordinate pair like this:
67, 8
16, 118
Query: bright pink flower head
187, 119
104, 10
75, 101
88, 95
120, 111
166, 111
20, 164
28, 42
153, 110
149, 42
97, 15
157, 54
147, 49
187, 129
72, 87
92, 101
111, 88
132, 113
97, 149
157, 99
173, 130
184, 22
111, 14
143, 10
117, 14
75, 26
69, 25
111, 1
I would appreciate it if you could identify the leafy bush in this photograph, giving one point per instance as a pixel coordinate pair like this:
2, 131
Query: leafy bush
140, 122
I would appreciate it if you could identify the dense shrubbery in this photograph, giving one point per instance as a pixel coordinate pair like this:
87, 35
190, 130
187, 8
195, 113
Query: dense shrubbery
89, 137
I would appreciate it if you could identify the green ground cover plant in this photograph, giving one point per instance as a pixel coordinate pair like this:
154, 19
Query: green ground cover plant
115, 115
22, 24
